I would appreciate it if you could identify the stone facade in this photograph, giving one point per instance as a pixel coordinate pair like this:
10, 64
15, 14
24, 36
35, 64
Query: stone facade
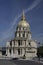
22, 44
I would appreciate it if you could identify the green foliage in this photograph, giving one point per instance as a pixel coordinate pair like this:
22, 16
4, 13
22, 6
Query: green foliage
40, 51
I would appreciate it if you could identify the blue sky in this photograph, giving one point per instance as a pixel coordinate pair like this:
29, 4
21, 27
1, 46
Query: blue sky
10, 11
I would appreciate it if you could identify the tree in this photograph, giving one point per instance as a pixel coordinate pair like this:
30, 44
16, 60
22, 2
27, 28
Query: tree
40, 51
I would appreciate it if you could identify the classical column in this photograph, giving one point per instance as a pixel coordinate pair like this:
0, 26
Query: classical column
25, 34
12, 51
25, 47
12, 43
8, 53
21, 51
7, 48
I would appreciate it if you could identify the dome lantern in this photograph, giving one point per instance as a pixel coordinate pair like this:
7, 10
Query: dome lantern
23, 21
23, 16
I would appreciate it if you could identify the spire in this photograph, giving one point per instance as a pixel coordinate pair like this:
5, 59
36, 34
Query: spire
23, 15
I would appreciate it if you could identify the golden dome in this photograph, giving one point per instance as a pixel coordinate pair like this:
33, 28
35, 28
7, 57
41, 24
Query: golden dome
23, 22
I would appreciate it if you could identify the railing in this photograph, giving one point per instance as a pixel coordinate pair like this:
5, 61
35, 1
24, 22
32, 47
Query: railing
20, 47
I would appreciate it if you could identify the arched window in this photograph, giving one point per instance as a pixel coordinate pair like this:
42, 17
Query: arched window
24, 34
29, 43
10, 51
19, 42
18, 51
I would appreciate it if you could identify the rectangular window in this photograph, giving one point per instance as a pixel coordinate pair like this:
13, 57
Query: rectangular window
23, 35
18, 51
19, 42
10, 51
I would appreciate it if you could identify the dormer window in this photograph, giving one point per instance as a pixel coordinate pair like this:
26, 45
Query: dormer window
25, 28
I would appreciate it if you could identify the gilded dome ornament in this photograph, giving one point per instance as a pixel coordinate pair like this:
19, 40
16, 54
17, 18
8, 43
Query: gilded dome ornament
23, 21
